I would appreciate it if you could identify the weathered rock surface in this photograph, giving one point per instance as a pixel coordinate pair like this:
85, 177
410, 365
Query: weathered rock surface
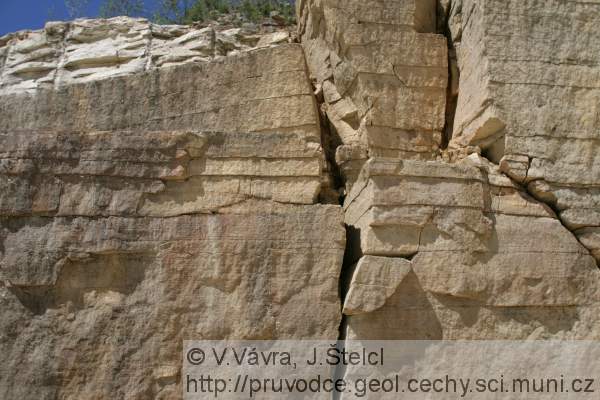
161, 183
141, 210
383, 75
487, 261
86, 50
257, 91
529, 99
109, 300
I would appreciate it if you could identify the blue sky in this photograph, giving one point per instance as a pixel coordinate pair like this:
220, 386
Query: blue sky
32, 14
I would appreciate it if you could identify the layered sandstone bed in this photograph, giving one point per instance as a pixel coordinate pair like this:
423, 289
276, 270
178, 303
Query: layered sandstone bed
144, 209
85, 50
449, 243
168, 183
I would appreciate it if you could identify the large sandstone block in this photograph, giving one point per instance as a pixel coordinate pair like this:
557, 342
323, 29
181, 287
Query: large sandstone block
159, 205
486, 261
529, 96
241, 127
398, 208
109, 301
374, 280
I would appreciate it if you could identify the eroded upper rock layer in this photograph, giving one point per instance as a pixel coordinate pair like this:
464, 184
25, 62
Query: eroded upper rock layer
85, 50
529, 98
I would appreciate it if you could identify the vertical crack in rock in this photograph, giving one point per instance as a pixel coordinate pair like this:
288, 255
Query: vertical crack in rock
443, 28
373, 110
383, 76
332, 190
344, 284
485, 259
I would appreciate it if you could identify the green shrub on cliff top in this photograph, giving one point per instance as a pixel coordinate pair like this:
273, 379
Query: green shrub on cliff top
114, 8
189, 11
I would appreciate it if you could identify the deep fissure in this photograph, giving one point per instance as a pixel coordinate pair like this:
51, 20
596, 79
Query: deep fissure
443, 28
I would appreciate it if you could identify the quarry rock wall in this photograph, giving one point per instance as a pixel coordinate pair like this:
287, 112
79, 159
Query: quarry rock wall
410, 170
155, 205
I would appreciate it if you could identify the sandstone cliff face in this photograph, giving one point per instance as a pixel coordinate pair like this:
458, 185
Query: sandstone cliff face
166, 183
530, 99
450, 243
157, 205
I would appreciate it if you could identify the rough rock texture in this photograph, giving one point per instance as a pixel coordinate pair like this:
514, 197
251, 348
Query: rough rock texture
382, 73
100, 305
487, 260
163, 183
529, 97
374, 281
142, 210
86, 50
